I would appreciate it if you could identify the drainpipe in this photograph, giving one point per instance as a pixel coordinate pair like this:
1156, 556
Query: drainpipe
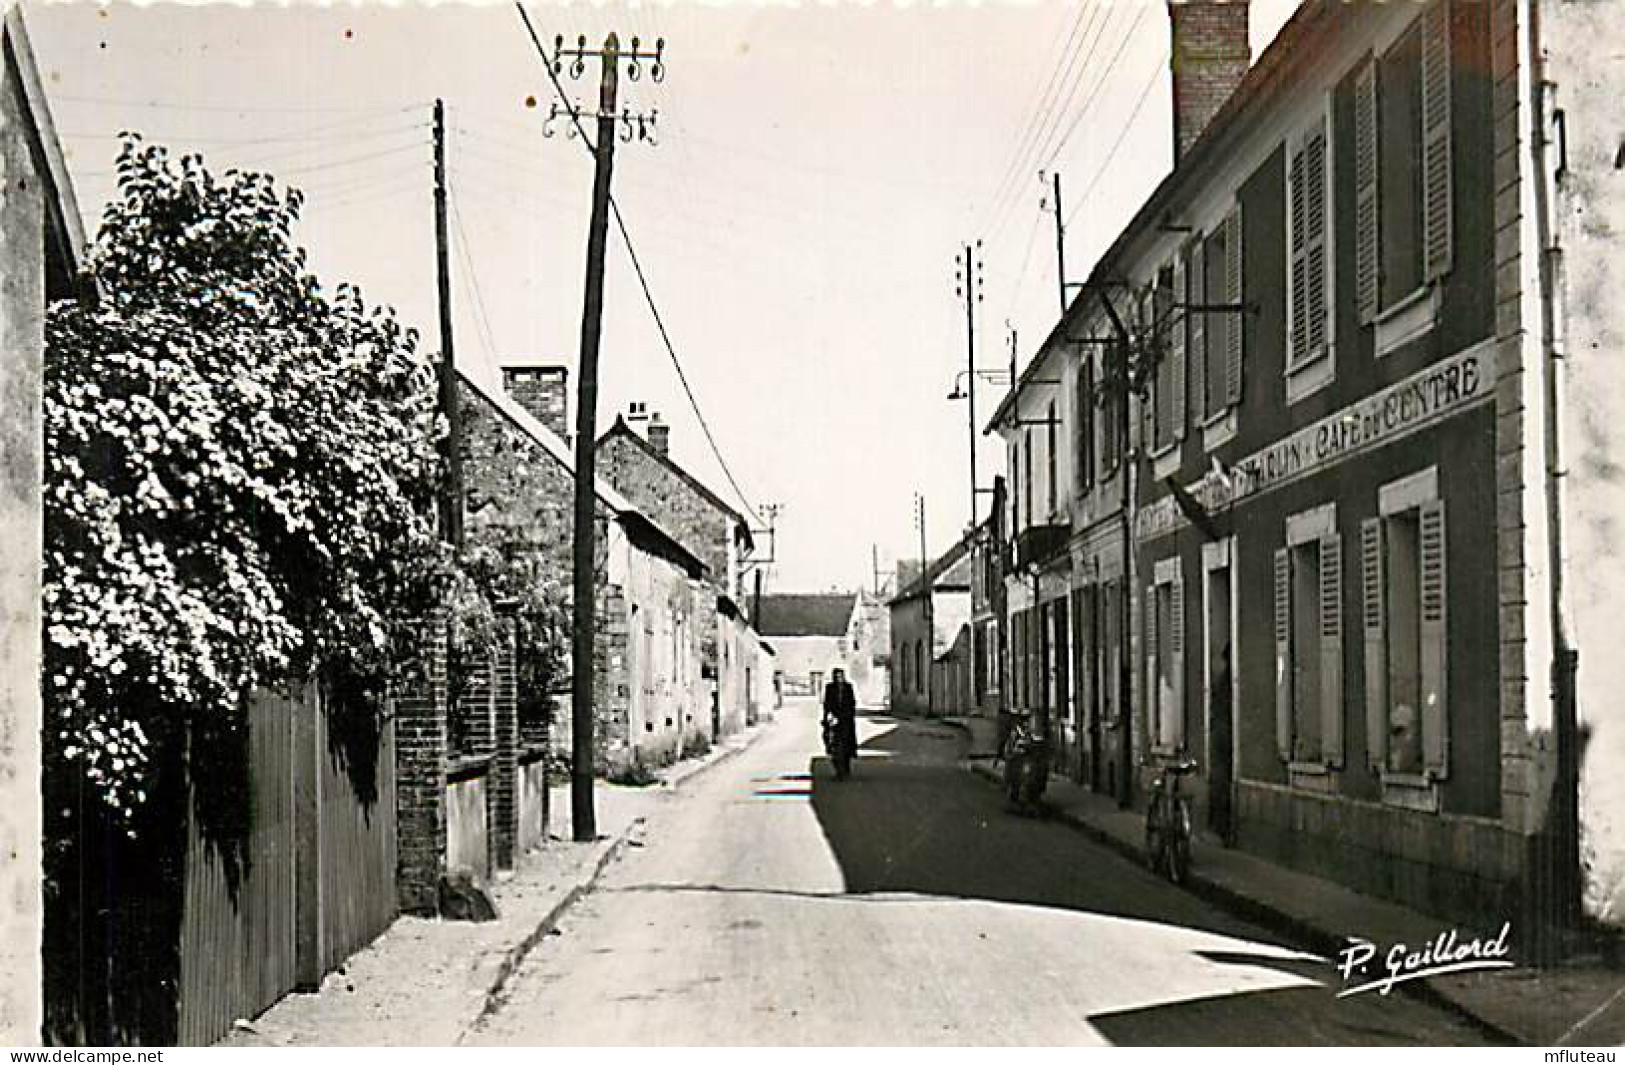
1558, 851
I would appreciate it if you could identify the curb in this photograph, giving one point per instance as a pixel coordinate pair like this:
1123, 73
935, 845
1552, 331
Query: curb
1317, 940
677, 780
496, 996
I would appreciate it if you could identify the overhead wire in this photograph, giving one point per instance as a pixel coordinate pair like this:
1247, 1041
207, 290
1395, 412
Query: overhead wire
643, 281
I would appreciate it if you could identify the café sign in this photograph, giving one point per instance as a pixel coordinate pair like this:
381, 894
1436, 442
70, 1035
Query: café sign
1424, 399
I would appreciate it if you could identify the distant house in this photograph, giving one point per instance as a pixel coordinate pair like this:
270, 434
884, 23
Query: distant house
41, 243
933, 666
815, 634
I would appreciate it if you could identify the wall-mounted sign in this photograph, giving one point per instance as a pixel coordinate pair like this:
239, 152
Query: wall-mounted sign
1425, 398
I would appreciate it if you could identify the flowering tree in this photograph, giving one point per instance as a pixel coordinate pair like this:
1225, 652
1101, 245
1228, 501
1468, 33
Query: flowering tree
240, 472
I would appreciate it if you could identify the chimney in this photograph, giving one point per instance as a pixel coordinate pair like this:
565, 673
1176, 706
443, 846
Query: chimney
1209, 58
541, 390
659, 434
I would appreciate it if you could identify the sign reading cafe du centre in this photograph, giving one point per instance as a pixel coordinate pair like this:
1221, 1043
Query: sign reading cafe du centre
1419, 401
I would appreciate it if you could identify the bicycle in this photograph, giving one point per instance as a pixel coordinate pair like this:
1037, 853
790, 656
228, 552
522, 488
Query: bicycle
1168, 823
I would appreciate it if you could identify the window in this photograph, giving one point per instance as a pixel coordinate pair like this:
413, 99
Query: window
1309, 641
1027, 476
1165, 656
1223, 330
1308, 189
1051, 447
1402, 553
1402, 166
920, 666
1085, 422
1114, 410
904, 673
1168, 323
1015, 487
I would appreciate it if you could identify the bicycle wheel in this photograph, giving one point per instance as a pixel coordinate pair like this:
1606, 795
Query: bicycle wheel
1179, 849
1153, 835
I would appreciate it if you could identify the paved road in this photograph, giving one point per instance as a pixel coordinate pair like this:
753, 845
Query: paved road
906, 907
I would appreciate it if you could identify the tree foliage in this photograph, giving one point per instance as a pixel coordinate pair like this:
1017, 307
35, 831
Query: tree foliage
240, 469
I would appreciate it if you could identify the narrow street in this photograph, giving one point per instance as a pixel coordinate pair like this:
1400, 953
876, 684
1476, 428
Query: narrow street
907, 907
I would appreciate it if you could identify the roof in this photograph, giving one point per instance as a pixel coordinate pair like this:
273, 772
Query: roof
741, 526
825, 614
1292, 45
951, 569
64, 227
642, 529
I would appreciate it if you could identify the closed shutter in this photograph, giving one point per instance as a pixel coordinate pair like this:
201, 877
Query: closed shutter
1314, 179
1176, 659
1297, 226
1375, 617
1435, 696
1331, 649
1153, 712
1367, 226
1437, 210
1234, 296
1195, 280
1176, 349
1283, 653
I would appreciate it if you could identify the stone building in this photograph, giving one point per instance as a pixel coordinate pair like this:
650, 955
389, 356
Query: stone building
42, 244
1319, 545
930, 635
814, 634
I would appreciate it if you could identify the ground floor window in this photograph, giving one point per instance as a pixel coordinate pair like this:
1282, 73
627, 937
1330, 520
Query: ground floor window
1403, 583
1309, 641
1165, 657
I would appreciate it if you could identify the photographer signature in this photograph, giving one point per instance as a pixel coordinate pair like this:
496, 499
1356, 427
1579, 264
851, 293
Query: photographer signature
1448, 952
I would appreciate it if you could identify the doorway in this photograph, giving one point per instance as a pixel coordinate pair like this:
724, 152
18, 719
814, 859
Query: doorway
1219, 685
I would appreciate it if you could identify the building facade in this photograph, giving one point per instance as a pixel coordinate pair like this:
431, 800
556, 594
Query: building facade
1312, 389
930, 636
814, 634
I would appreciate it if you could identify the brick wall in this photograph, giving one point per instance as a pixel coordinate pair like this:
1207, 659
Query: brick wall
502, 796
692, 519
420, 776
1209, 58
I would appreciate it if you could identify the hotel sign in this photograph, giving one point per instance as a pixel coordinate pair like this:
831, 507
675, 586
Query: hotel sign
1422, 400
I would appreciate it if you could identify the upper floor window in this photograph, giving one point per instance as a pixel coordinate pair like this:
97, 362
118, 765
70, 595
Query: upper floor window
1114, 410
1168, 319
1084, 423
1218, 331
1027, 476
1051, 447
1402, 165
1308, 237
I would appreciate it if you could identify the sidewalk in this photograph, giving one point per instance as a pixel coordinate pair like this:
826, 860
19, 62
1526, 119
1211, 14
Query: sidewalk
425, 982
1578, 1004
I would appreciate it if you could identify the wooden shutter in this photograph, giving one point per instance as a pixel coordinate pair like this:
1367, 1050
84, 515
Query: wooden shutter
1331, 649
1176, 658
1437, 209
1233, 295
1283, 652
1367, 216
1196, 284
1153, 715
1314, 179
1435, 701
1176, 349
1298, 280
1375, 617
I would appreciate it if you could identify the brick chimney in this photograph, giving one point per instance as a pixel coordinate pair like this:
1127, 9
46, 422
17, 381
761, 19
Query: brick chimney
541, 390
659, 434
1209, 58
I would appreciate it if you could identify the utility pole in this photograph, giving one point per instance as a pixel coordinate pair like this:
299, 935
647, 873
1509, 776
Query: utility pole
584, 827
968, 282
1011, 336
930, 612
451, 499
1060, 243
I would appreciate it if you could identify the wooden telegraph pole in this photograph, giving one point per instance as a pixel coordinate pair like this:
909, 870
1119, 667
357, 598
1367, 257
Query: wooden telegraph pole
451, 500
584, 824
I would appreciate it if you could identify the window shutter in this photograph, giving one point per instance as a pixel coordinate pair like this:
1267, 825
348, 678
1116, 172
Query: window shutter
1176, 659
1314, 178
1233, 295
1331, 649
1176, 353
1367, 274
1437, 209
1435, 701
1153, 715
1195, 281
1376, 645
1298, 228
1283, 653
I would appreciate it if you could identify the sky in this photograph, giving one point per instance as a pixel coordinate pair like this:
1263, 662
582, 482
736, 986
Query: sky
817, 169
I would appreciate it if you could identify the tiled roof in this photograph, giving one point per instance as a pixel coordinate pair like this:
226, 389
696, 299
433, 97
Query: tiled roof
806, 615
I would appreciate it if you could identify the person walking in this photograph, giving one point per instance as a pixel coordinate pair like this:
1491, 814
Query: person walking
840, 723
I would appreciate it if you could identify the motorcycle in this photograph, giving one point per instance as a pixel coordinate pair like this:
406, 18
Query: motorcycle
1026, 767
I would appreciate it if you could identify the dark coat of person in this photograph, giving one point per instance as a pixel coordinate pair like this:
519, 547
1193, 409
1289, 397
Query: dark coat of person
841, 706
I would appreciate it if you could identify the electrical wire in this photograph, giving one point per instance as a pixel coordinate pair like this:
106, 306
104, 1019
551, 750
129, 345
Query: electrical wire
643, 281
480, 315
1145, 94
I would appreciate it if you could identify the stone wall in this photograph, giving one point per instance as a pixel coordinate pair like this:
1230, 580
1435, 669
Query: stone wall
693, 520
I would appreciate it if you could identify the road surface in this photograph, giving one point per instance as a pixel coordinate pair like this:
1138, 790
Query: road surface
769, 904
